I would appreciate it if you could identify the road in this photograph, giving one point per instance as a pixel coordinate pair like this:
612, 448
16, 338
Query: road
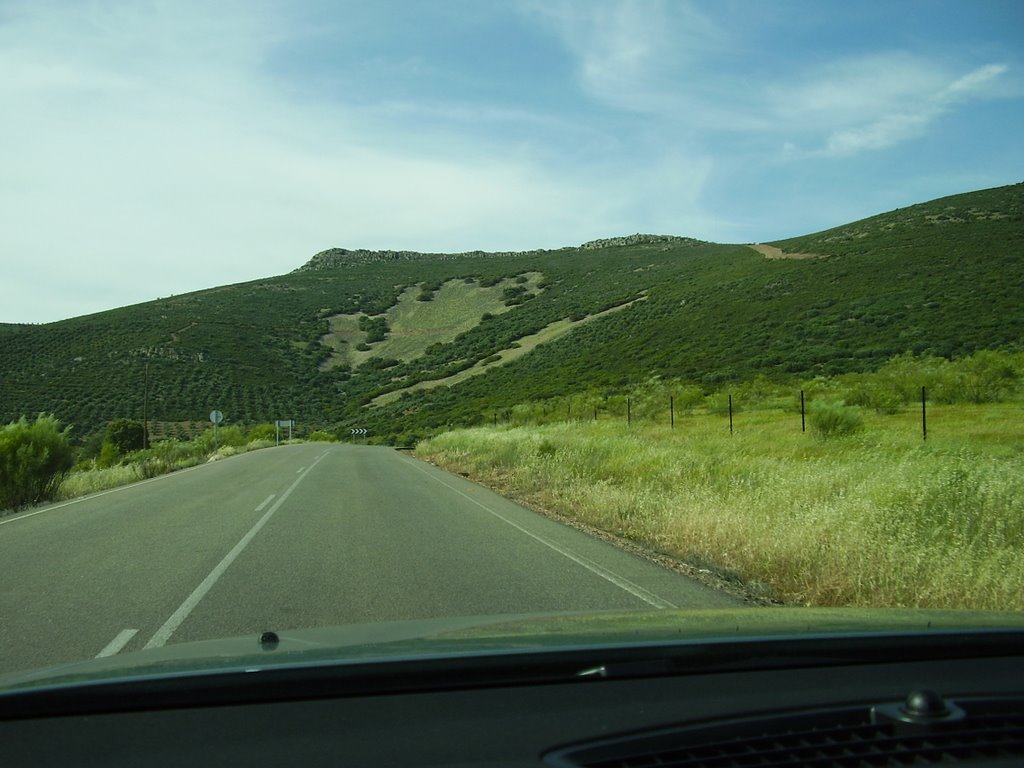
292, 537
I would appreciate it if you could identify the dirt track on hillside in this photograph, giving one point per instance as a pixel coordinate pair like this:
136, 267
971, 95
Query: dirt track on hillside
771, 252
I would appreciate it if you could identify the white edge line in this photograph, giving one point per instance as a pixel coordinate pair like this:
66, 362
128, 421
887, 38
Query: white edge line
119, 642
96, 495
174, 621
621, 582
69, 502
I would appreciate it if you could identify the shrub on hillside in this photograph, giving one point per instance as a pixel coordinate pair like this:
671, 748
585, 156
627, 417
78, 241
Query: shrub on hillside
985, 377
34, 458
126, 435
376, 328
232, 435
89, 447
834, 419
718, 403
108, 455
164, 456
513, 291
263, 431
408, 439
904, 375
689, 396
869, 392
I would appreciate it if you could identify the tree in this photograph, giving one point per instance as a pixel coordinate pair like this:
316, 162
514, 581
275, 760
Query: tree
126, 435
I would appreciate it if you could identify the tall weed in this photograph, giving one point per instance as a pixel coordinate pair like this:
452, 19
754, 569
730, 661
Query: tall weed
884, 519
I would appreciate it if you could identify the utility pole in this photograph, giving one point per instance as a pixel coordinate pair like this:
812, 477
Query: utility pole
145, 411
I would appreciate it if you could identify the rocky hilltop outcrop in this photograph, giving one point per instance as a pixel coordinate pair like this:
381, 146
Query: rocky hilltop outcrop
345, 257
639, 239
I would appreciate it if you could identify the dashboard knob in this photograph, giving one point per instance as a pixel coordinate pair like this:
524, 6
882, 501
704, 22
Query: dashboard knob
925, 704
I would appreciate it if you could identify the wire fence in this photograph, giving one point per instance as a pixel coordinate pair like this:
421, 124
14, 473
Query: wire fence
624, 408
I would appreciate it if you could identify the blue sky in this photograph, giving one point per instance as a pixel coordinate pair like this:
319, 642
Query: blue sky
153, 148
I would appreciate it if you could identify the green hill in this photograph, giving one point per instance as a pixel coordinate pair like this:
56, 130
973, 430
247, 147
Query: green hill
388, 340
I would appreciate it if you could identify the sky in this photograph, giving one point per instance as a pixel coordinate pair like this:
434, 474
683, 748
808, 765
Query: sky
151, 148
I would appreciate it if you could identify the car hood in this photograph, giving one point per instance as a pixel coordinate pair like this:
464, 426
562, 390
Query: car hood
483, 635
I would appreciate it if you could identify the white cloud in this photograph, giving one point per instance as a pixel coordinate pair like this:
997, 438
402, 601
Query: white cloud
153, 155
851, 88
975, 81
912, 117
884, 132
668, 60
150, 147
613, 42
632, 55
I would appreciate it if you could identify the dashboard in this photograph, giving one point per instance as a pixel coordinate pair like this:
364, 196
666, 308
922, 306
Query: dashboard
593, 707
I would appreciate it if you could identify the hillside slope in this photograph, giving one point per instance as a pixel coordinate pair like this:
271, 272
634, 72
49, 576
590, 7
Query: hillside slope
945, 278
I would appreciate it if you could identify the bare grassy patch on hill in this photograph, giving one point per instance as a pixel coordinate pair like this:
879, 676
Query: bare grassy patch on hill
414, 324
771, 252
521, 346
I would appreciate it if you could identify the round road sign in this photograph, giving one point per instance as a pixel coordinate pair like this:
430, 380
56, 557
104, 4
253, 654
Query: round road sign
216, 417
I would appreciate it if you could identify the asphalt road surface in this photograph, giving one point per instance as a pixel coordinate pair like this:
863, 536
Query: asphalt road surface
294, 537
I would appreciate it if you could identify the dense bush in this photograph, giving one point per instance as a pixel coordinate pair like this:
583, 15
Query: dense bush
34, 458
232, 435
987, 376
874, 394
512, 291
376, 328
834, 419
108, 455
688, 396
262, 432
126, 435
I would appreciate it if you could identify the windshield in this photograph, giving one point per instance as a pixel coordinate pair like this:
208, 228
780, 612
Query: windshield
516, 324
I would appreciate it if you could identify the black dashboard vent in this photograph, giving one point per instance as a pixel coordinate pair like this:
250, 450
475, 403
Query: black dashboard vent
991, 733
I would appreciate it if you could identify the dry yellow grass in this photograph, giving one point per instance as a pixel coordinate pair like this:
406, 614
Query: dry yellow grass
880, 519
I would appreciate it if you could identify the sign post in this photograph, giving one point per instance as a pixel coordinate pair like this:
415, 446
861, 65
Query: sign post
284, 423
216, 417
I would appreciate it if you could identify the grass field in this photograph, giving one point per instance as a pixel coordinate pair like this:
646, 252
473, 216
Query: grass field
414, 325
522, 345
167, 457
881, 518
456, 307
